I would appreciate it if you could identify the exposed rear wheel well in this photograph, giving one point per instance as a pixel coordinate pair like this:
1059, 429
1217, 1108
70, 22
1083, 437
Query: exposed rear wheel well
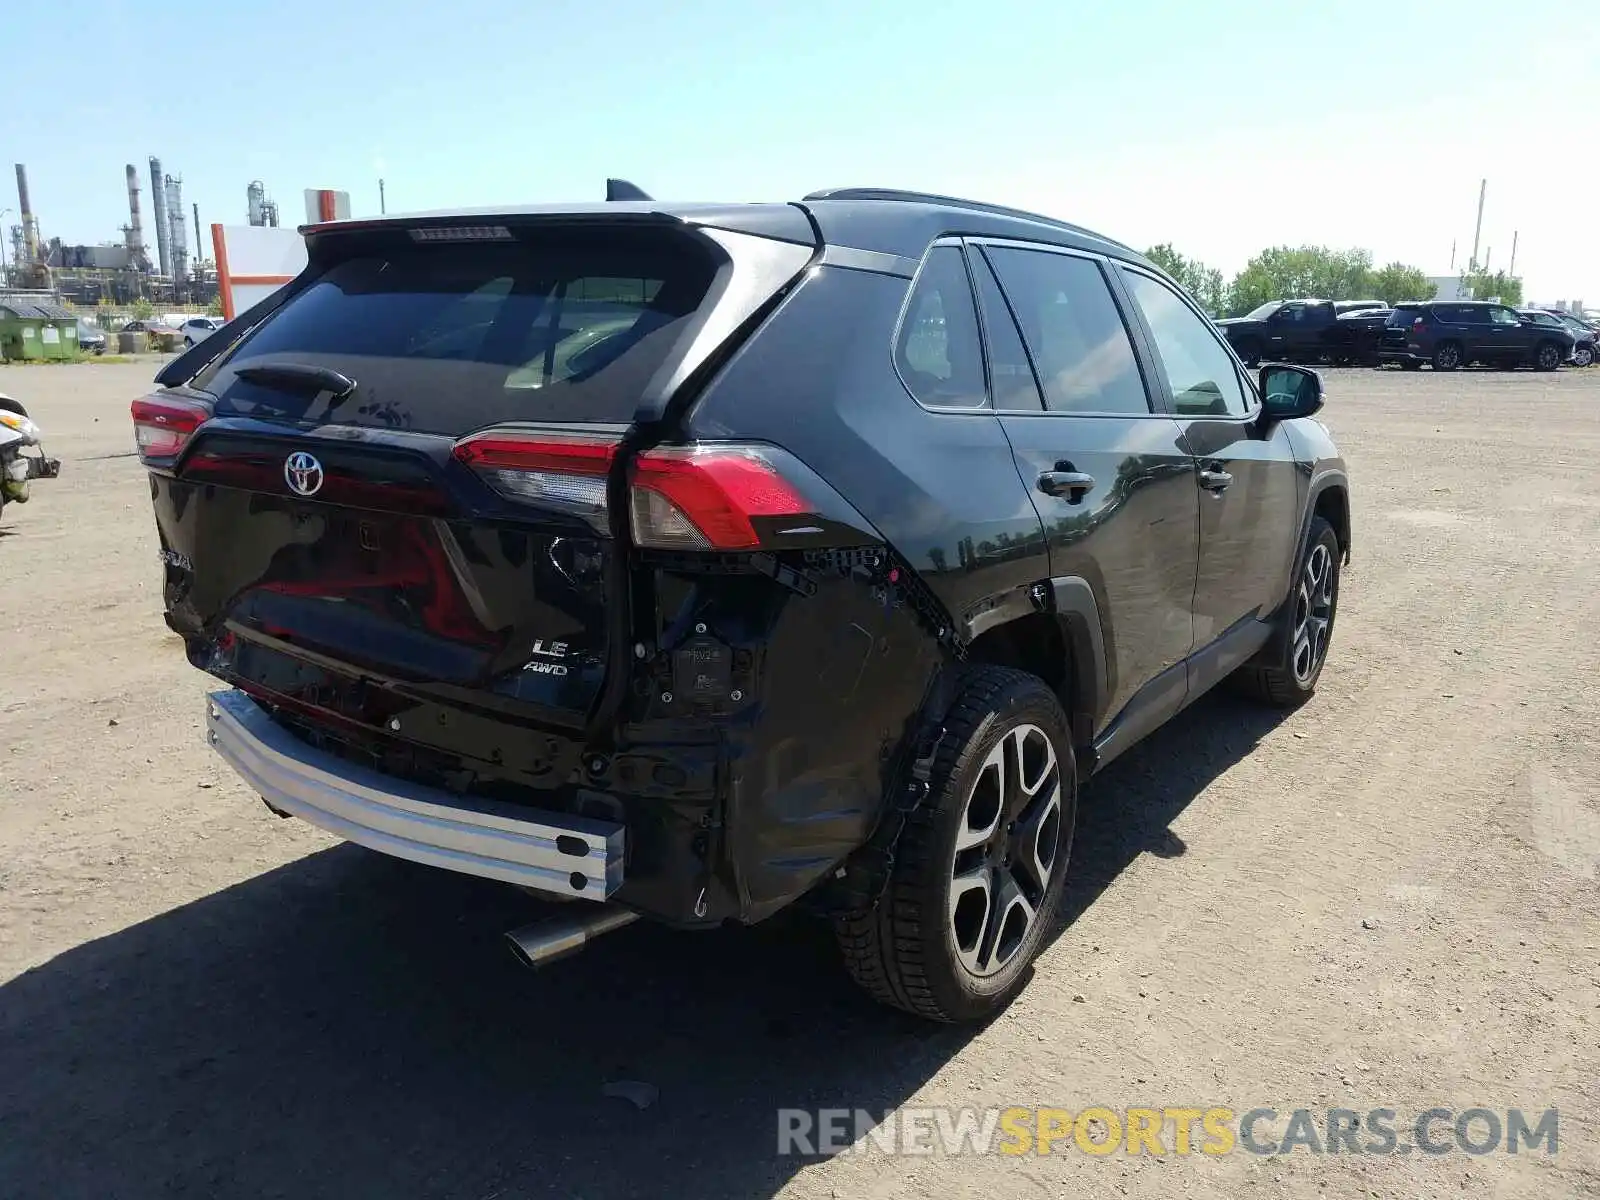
1038, 644
1333, 506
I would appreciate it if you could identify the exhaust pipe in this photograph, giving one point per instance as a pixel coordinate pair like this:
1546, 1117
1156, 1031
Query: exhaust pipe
544, 942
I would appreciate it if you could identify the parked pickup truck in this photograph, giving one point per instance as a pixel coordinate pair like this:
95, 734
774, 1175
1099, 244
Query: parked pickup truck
1291, 329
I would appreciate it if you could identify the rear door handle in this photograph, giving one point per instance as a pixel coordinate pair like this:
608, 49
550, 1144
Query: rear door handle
1214, 479
1071, 484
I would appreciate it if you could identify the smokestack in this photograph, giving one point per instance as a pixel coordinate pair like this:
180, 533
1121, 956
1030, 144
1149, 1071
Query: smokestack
158, 213
30, 227
1477, 232
137, 258
178, 228
197, 242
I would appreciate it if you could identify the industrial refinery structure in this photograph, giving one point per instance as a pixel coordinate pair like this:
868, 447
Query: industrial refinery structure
120, 272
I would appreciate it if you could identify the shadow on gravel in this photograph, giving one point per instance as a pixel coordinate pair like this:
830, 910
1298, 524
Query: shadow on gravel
1127, 809
352, 1026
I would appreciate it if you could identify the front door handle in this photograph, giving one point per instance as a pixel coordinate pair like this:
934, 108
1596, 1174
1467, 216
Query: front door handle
1071, 484
1214, 479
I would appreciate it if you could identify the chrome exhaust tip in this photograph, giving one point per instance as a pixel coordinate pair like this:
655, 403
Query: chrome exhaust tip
554, 938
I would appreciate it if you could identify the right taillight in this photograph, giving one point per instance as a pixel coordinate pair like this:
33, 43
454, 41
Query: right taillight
707, 497
564, 473
1416, 325
162, 426
718, 496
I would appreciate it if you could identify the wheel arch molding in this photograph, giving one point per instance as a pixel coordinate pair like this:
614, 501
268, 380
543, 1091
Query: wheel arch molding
1051, 628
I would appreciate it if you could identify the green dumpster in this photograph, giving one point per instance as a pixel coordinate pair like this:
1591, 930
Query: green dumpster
20, 330
59, 333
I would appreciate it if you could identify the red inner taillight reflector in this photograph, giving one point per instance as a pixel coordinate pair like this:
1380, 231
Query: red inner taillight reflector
163, 425
703, 497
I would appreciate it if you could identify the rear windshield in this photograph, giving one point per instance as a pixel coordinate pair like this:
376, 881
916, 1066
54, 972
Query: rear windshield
451, 337
1404, 314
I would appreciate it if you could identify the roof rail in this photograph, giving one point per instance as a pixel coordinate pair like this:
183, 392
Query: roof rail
998, 210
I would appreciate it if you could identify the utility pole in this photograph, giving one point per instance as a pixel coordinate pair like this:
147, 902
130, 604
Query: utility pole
1452, 254
383, 206
1477, 232
1512, 271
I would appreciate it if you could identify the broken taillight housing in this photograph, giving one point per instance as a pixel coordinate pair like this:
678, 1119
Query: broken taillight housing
162, 426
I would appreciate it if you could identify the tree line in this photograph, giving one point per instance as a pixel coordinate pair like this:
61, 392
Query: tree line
1290, 272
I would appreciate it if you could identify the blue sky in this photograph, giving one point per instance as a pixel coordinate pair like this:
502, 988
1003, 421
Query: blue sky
1222, 127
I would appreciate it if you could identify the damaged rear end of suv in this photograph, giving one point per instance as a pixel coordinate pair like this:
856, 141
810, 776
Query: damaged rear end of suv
483, 601
691, 562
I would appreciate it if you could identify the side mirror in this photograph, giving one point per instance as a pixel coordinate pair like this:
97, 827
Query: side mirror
1289, 392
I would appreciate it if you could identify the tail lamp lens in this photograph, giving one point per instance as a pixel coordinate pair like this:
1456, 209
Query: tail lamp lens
567, 474
704, 497
162, 425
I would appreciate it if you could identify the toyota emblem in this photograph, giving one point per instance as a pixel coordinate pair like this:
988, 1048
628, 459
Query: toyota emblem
303, 473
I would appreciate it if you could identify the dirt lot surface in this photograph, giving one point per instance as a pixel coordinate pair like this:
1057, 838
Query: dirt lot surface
1390, 898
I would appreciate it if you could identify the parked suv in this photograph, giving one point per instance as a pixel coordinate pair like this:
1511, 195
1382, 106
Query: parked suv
1451, 334
693, 561
1583, 338
198, 329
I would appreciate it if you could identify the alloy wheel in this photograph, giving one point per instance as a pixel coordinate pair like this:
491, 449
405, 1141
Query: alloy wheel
1582, 356
1448, 358
1006, 851
1313, 614
1549, 357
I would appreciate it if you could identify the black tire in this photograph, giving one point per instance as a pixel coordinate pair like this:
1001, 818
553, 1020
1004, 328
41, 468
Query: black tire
904, 952
1249, 352
1447, 356
1407, 364
1287, 682
1547, 356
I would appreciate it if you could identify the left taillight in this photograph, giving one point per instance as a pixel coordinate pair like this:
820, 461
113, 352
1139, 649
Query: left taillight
163, 425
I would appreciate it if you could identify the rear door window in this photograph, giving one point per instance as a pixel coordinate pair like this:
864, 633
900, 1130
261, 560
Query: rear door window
1011, 378
1073, 331
451, 337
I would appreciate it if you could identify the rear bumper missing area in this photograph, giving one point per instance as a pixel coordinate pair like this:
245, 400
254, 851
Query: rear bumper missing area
575, 857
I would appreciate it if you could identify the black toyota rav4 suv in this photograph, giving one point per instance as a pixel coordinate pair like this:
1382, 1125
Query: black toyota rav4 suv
689, 561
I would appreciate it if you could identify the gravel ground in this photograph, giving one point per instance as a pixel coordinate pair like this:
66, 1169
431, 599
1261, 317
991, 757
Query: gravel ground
1387, 899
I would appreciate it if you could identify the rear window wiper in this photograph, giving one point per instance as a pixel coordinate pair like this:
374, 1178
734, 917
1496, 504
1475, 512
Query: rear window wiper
298, 377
